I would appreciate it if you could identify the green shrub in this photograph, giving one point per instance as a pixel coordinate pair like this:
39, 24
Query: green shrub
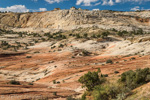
14, 82
70, 98
121, 96
114, 30
93, 36
61, 46
90, 80
116, 72
70, 34
78, 36
106, 92
83, 96
116, 91
132, 79
73, 56
85, 53
109, 61
37, 79
54, 81
58, 82
28, 56
105, 34
133, 58
85, 35
30, 84
98, 35
55, 93
63, 81
105, 75
120, 33
117, 62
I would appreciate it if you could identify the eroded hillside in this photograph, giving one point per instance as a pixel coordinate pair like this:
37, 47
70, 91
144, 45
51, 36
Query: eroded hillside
48, 66
75, 18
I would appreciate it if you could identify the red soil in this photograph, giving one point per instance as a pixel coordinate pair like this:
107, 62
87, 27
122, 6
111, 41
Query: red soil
68, 69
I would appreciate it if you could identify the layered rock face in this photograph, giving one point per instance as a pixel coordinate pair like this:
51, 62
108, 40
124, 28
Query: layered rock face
72, 19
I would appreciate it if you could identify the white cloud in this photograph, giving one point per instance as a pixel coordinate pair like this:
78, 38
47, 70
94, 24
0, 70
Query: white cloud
144, 8
15, 8
104, 2
113, 2
97, 3
42, 9
110, 3
86, 2
20, 8
38, 10
135, 8
117, 1
54, 1
137, 1
96, 9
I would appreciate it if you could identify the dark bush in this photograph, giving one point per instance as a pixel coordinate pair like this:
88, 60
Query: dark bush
54, 81
93, 36
116, 72
90, 80
132, 79
106, 92
58, 82
14, 82
85, 35
28, 56
133, 58
115, 91
105, 75
78, 36
109, 61
30, 84
105, 34
55, 93
85, 53
70, 98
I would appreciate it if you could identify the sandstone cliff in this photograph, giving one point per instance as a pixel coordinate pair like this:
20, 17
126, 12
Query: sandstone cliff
72, 19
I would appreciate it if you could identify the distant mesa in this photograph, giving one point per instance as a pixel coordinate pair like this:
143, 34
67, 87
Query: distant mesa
73, 8
55, 9
79, 9
86, 9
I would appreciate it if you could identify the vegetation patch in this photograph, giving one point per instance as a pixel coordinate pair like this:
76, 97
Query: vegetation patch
14, 82
98, 89
109, 61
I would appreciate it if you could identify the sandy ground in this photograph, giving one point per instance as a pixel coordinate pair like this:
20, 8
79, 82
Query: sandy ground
47, 65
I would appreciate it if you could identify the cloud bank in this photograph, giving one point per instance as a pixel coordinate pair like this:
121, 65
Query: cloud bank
15, 8
20, 8
53, 1
86, 2
106, 2
135, 8
97, 2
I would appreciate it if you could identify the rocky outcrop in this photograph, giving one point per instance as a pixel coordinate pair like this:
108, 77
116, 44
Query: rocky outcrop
74, 18
143, 39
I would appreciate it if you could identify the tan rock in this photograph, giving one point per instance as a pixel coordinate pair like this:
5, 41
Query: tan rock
75, 18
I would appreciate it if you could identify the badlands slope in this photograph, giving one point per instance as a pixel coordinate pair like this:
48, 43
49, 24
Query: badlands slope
49, 68
73, 19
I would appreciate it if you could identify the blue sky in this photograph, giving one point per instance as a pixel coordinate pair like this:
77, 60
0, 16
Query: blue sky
46, 5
